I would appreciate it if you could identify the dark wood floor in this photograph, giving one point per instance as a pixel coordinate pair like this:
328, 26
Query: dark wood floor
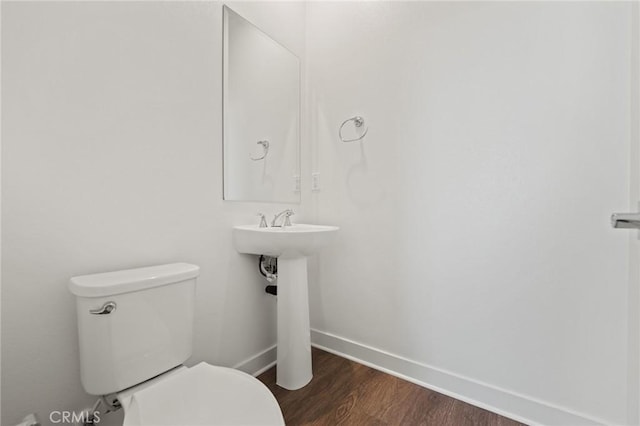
344, 392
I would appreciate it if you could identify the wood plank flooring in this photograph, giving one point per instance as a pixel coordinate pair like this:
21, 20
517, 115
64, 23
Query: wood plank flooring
344, 392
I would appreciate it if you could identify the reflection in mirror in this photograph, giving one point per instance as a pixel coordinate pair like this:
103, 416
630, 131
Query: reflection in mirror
261, 111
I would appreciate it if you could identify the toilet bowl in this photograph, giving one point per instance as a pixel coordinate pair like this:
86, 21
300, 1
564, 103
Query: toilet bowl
201, 395
135, 330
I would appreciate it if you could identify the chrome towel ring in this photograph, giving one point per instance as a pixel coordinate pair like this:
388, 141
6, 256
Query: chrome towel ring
358, 122
265, 151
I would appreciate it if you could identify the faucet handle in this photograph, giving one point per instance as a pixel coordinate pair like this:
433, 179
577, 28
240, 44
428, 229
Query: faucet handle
287, 215
263, 220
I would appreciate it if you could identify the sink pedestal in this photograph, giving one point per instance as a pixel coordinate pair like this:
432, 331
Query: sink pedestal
291, 245
293, 369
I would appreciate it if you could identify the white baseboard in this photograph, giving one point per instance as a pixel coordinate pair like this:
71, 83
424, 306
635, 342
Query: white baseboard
510, 404
258, 363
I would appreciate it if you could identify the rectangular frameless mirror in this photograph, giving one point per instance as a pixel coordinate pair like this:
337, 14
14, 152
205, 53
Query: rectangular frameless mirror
261, 115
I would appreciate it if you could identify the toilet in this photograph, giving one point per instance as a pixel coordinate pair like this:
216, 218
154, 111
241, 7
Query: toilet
135, 330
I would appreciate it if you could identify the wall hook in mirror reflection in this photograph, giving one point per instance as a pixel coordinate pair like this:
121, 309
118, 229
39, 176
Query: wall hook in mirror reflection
265, 147
358, 122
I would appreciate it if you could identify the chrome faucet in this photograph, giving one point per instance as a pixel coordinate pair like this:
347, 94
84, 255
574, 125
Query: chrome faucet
286, 222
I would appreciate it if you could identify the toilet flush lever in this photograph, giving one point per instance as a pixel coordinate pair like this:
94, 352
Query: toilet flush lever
107, 308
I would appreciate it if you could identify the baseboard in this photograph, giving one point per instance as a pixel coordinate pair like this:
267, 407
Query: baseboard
258, 363
510, 404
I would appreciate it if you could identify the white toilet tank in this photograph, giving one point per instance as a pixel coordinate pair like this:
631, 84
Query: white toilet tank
133, 324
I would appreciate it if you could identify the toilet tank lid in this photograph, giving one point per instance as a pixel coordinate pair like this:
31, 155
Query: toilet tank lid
118, 282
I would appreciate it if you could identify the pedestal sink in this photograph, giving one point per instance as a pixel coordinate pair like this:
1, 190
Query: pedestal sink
291, 245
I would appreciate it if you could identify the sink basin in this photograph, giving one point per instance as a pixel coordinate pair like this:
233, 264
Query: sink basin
291, 245
290, 241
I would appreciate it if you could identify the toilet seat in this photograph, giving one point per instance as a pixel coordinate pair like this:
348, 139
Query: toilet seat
201, 395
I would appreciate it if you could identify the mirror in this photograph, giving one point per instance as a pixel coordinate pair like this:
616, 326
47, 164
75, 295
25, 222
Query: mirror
261, 115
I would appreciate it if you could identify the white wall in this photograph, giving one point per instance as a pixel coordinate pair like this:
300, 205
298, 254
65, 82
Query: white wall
475, 248
112, 159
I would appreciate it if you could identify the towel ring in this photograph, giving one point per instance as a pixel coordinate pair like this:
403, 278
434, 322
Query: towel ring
265, 148
358, 122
